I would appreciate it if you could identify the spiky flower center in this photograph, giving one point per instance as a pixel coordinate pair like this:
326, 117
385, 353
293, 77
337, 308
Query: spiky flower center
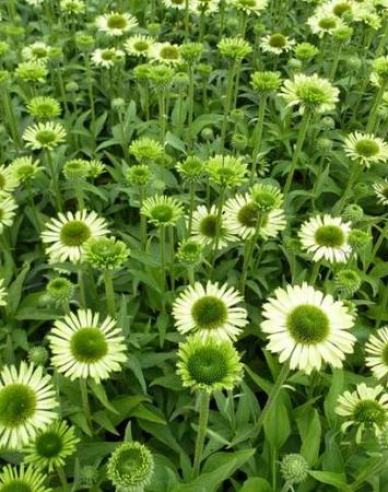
383, 192
265, 200
129, 462
162, 213
248, 215
108, 55
141, 46
17, 404
59, 286
209, 312
330, 236
308, 324
48, 445
39, 52
370, 412
207, 366
367, 147
45, 136
24, 172
341, 8
313, 94
169, 53
117, 21
208, 226
327, 23
75, 233
88, 345
247, 3
277, 41
16, 486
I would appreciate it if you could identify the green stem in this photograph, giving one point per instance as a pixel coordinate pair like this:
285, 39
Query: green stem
110, 293
80, 195
383, 306
299, 145
281, 379
356, 168
379, 242
162, 114
373, 115
383, 41
314, 273
85, 401
191, 206
222, 18
287, 486
204, 400
335, 63
89, 77
258, 134
187, 20
54, 179
63, 478
162, 245
143, 222
11, 120
38, 224
228, 102
191, 107
249, 249
81, 287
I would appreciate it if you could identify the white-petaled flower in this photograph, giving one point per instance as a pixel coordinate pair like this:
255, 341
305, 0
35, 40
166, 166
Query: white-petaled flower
310, 92
175, 4
324, 22
44, 135
377, 353
210, 310
365, 12
205, 228
338, 7
366, 148
27, 403
107, 57
249, 6
3, 293
307, 328
24, 169
37, 51
115, 24
72, 6
326, 238
7, 211
139, 45
206, 7
366, 409
68, 233
381, 190
34, 3
242, 215
83, 347
166, 53
276, 43
22, 479
8, 182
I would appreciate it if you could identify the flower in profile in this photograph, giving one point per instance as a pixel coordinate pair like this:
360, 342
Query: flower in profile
307, 328
166, 53
234, 48
305, 51
146, 150
326, 238
266, 197
365, 409
381, 190
190, 252
294, 468
3, 293
139, 175
276, 43
348, 281
76, 170
22, 479
44, 107
44, 135
96, 168
60, 291
8, 182
162, 211
72, 7
130, 467
107, 57
105, 253
27, 404
377, 353
209, 227
31, 71
139, 45
24, 169
249, 6
51, 447
324, 22
7, 211
205, 7
175, 4
210, 310
115, 24
226, 170
37, 51
366, 149
266, 82
191, 170
310, 92
208, 364
83, 347
68, 233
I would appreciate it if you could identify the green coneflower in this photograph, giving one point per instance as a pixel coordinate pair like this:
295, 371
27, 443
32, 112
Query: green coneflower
67, 234
294, 468
7, 211
83, 347
166, 53
162, 211
139, 175
266, 197
37, 51
51, 447
266, 82
348, 281
227, 170
305, 51
32, 71
130, 467
105, 253
209, 364
76, 169
72, 6
365, 408
8, 182
175, 4
206, 230
146, 150
44, 135
60, 290
190, 252
44, 107
96, 168
108, 57
381, 190
22, 479
38, 355
377, 353
115, 24
24, 168
366, 149
139, 45
192, 169
234, 48
27, 403
249, 6
276, 43
210, 310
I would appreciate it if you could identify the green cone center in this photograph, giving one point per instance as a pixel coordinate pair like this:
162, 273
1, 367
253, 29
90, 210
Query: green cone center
308, 324
88, 345
17, 404
209, 312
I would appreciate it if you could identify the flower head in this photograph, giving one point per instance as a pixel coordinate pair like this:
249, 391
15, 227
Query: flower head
226, 170
234, 48
3, 293
209, 227
24, 169
266, 82
210, 310
146, 150
276, 43
44, 135
44, 108
115, 24
326, 238
190, 252
7, 211
366, 409
27, 403
294, 468
366, 149
105, 253
139, 45
130, 467
250, 6
67, 234
377, 353
307, 328
60, 291
381, 190
107, 57
51, 447
162, 211
208, 364
166, 53
83, 346
22, 479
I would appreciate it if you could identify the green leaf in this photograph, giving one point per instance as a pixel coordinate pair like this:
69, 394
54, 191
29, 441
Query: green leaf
99, 391
337, 480
256, 485
310, 431
135, 367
